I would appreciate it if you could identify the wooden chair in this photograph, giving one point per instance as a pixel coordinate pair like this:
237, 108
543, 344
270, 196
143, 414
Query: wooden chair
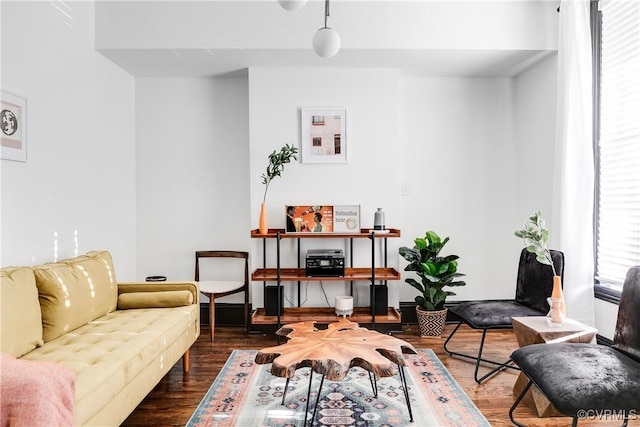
533, 285
590, 380
218, 288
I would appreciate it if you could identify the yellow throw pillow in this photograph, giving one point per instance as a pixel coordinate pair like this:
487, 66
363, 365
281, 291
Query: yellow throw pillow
75, 291
154, 299
20, 310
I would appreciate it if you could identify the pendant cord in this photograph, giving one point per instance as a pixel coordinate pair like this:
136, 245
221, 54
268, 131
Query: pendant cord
326, 12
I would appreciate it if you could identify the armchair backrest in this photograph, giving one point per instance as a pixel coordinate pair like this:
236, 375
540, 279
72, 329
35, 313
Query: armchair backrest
627, 334
535, 280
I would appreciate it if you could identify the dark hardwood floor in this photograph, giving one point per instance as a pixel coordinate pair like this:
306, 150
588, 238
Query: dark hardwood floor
175, 398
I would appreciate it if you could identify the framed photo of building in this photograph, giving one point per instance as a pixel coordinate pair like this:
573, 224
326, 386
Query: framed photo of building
13, 138
324, 138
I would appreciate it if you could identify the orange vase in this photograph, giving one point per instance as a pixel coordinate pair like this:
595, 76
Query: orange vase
558, 294
262, 224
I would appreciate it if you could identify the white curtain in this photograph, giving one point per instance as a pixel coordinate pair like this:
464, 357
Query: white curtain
574, 167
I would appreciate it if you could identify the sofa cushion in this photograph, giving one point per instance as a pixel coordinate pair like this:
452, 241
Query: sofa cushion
154, 299
21, 317
121, 356
75, 291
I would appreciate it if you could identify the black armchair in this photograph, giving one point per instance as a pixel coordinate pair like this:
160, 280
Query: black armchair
587, 380
533, 286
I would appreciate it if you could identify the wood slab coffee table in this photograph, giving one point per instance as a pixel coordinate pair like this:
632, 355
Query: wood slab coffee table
535, 330
333, 351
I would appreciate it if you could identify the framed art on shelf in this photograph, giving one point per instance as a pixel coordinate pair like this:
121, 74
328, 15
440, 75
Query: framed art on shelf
322, 218
13, 138
324, 138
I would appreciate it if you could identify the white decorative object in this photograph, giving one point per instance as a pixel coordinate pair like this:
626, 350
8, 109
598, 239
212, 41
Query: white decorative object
326, 42
292, 5
344, 305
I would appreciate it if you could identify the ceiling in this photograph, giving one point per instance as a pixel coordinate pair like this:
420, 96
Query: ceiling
431, 38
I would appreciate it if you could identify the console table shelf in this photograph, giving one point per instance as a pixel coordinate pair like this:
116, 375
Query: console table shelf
351, 274
364, 233
322, 315
296, 274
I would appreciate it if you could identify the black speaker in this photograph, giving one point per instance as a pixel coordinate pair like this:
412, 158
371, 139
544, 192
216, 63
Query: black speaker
271, 300
379, 302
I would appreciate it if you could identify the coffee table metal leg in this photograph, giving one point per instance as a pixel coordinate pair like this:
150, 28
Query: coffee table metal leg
315, 407
374, 383
306, 408
286, 388
374, 386
403, 380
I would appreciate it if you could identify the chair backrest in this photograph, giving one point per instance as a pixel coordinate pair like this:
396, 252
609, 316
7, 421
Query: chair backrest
627, 334
223, 254
535, 280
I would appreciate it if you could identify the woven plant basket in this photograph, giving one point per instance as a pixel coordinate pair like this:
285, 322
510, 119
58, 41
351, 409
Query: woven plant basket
431, 323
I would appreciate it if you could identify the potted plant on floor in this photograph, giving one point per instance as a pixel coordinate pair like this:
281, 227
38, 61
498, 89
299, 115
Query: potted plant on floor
435, 273
277, 160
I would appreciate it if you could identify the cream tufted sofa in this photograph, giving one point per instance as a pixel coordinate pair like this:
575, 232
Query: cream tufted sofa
119, 339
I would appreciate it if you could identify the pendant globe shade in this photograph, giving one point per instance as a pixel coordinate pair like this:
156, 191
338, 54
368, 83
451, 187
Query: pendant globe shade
292, 5
326, 42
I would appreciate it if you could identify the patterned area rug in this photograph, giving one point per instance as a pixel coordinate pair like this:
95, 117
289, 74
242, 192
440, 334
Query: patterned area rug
246, 394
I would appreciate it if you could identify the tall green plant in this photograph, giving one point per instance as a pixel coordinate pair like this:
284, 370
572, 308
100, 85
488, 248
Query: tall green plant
435, 272
277, 160
535, 236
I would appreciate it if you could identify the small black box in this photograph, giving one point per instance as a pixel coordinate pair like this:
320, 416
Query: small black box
271, 300
379, 302
324, 263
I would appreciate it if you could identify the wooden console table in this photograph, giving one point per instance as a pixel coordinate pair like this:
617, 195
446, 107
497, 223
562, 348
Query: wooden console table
333, 351
534, 330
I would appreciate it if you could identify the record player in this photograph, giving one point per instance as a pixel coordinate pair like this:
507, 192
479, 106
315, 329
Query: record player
324, 263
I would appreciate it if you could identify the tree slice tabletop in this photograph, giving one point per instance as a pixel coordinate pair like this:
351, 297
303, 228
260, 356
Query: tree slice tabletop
333, 351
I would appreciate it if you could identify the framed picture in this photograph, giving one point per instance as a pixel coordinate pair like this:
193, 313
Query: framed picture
322, 218
324, 138
13, 138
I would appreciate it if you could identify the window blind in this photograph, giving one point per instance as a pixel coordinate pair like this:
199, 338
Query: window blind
618, 216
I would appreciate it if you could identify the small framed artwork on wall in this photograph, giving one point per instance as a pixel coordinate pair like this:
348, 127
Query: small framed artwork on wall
13, 138
324, 138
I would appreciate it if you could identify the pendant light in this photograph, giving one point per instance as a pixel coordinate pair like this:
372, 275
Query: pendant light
292, 5
326, 42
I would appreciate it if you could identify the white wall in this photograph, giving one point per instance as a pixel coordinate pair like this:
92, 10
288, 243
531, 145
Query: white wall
370, 179
192, 180
458, 159
75, 193
535, 124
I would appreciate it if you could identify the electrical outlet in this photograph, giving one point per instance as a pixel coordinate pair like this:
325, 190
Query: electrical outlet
404, 189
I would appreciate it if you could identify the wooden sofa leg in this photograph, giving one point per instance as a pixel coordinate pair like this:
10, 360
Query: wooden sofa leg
185, 362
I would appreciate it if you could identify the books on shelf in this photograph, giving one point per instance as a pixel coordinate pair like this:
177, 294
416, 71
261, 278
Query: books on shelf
322, 218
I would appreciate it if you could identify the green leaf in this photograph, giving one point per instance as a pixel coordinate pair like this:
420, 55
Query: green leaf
415, 284
432, 237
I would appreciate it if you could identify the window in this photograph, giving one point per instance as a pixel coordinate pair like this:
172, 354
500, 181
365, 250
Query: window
616, 30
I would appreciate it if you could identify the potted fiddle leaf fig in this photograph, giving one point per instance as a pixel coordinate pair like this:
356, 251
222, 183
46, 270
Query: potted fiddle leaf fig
277, 160
435, 273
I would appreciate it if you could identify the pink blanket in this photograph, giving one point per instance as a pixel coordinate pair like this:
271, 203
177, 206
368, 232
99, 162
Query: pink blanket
36, 394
